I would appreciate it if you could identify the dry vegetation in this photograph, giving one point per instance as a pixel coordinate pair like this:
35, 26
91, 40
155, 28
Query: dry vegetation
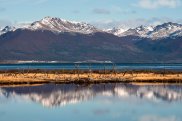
87, 76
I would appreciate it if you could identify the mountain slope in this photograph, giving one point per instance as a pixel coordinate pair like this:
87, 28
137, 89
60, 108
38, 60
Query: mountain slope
54, 39
7, 29
45, 45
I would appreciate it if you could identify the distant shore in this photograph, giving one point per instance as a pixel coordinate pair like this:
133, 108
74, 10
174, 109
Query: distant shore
22, 77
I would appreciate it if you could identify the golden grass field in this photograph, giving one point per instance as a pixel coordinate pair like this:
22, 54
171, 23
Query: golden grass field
40, 77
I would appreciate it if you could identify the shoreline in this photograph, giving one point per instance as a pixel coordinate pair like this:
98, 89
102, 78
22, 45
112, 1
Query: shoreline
30, 77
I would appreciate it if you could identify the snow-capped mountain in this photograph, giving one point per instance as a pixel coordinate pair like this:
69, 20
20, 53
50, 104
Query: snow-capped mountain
41, 41
144, 30
160, 31
61, 25
139, 31
166, 30
7, 29
116, 31
55, 25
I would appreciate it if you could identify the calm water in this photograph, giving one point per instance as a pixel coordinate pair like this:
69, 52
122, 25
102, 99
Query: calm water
101, 102
68, 66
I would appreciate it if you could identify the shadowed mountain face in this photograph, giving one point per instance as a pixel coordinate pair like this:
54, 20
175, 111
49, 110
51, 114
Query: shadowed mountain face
67, 46
60, 95
45, 45
55, 39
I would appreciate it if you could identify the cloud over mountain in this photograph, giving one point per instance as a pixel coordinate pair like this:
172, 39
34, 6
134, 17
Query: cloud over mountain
101, 11
153, 4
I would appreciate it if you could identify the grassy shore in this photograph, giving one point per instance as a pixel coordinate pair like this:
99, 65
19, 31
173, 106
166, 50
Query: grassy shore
23, 77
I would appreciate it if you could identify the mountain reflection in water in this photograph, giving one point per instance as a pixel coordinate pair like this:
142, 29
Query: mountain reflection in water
52, 95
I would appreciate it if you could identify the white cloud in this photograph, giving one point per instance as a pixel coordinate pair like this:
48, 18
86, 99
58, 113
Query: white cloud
153, 4
158, 118
101, 11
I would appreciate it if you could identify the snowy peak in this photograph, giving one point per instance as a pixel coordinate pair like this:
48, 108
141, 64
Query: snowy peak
116, 31
129, 32
160, 31
6, 29
139, 31
61, 25
143, 30
168, 26
166, 30
56, 25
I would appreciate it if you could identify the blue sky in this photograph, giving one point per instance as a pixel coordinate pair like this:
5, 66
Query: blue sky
102, 13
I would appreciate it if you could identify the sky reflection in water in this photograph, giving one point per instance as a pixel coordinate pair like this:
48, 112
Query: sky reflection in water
100, 102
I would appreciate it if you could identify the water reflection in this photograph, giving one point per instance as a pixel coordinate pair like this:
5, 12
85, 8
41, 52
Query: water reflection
61, 95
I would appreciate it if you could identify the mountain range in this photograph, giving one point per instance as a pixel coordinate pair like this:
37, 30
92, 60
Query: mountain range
55, 39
